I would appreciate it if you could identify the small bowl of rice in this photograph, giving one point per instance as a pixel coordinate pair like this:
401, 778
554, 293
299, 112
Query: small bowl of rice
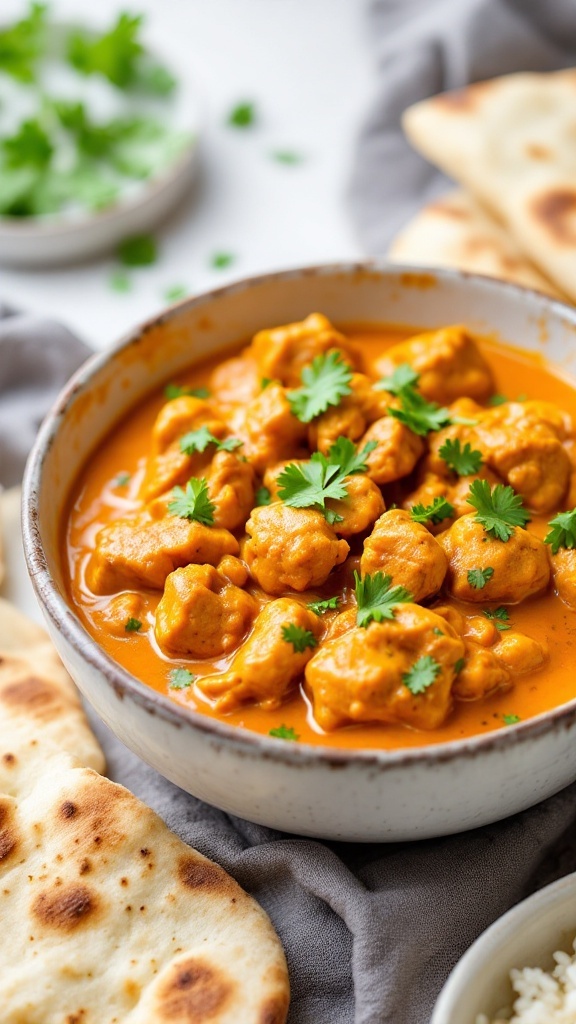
521, 970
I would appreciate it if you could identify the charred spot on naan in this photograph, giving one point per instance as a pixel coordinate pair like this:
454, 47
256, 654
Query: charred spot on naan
463, 99
193, 990
93, 820
555, 211
8, 830
39, 696
199, 874
65, 908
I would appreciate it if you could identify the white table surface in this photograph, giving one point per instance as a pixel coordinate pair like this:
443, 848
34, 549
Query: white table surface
308, 67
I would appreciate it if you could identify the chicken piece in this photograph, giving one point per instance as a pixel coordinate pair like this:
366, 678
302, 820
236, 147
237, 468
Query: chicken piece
362, 675
281, 353
118, 612
452, 616
523, 443
520, 653
231, 489
520, 565
168, 465
234, 569
480, 630
267, 663
341, 624
143, 549
360, 509
396, 453
406, 551
291, 548
351, 417
236, 381
269, 429
201, 614
448, 361
564, 574
482, 674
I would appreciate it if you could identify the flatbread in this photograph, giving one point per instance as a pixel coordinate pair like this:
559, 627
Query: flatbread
512, 142
455, 231
108, 918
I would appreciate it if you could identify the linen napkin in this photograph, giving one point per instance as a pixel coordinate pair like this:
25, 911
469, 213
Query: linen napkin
370, 931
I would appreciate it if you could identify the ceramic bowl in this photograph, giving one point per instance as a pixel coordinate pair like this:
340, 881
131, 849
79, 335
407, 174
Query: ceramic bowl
337, 794
526, 936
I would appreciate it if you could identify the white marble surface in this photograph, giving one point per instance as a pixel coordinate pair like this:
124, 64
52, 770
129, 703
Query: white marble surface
308, 67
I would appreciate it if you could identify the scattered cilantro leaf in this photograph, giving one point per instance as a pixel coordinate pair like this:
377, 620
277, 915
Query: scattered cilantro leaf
30, 146
138, 251
172, 391
459, 665
119, 56
499, 509
263, 496
198, 441
402, 377
439, 509
221, 260
264, 382
421, 675
286, 156
284, 732
122, 480
310, 484
418, 414
464, 461
437, 631
511, 719
193, 502
376, 598
478, 578
324, 383
563, 531
497, 400
120, 282
175, 292
343, 453
180, 679
499, 616
301, 639
21, 44
243, 115
319, 607
132, 625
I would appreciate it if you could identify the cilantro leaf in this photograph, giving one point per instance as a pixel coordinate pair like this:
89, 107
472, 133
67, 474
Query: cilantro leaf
421, 675
418, 414
175, 292
243, 115
221, 260
177, 390
499, 616
286, 156
263, 496
301, 639
21, 44
402, 377
193, 502
319, 607
497, 400
119, 56
180, 679
439, 509
310, 484
284, 732
463, 461
122, 480
30, 146
343, 453
120, 282
459, 665
478, 578
138, 251
563, 532
325, 382
376, 598
499, 510
511, 719
132, 625
198, 441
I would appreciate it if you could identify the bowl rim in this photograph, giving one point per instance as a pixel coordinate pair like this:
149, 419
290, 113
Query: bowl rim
499, 932
122, 681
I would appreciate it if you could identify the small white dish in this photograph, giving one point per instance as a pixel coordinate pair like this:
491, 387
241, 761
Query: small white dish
526, 936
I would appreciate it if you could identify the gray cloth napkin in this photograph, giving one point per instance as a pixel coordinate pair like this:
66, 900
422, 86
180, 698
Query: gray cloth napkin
426, 46
370, 931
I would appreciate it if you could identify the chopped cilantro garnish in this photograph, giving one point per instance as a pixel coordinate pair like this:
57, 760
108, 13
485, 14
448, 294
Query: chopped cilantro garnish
497, 400
459, 665
344, 454
264, 382
563, 532
132, 625
122, 480
221, 260
301, 639
402, 377
421, 675
478, 578
193, 502
138, 251
21, 44
243, 115
511, 719
418, 414
324, 383
284, 732
30, 146
119, 56
172, 391
499, 510
120, 282
263, 496
463, 461
286, 156
311, 484
180, 679
437, 631
198, 441
377, 599
175, 292
439, 509
499, 616
319, 607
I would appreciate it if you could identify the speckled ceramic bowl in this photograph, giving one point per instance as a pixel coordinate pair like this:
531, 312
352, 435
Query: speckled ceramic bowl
368, 795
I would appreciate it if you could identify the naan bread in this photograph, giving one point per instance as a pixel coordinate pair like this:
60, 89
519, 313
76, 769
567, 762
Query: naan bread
37, 694
108, 918
456, 232
512, 142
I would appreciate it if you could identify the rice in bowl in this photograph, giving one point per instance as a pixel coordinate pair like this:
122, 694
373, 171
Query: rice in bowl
543, 997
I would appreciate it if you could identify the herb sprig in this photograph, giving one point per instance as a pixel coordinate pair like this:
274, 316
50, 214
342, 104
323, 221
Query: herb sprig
198, 441
499, 616
193, 502
301, 639
311, 484
435, 513
284, 732
325, 382
499, 509
563, 531
377, 599
464, 461
421, 675
319, 607
478, 578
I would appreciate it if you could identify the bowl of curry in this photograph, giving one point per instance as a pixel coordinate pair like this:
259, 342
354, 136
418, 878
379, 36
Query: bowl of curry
308, 545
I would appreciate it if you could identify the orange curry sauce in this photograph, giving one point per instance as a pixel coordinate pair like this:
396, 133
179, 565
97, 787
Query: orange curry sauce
98, 499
